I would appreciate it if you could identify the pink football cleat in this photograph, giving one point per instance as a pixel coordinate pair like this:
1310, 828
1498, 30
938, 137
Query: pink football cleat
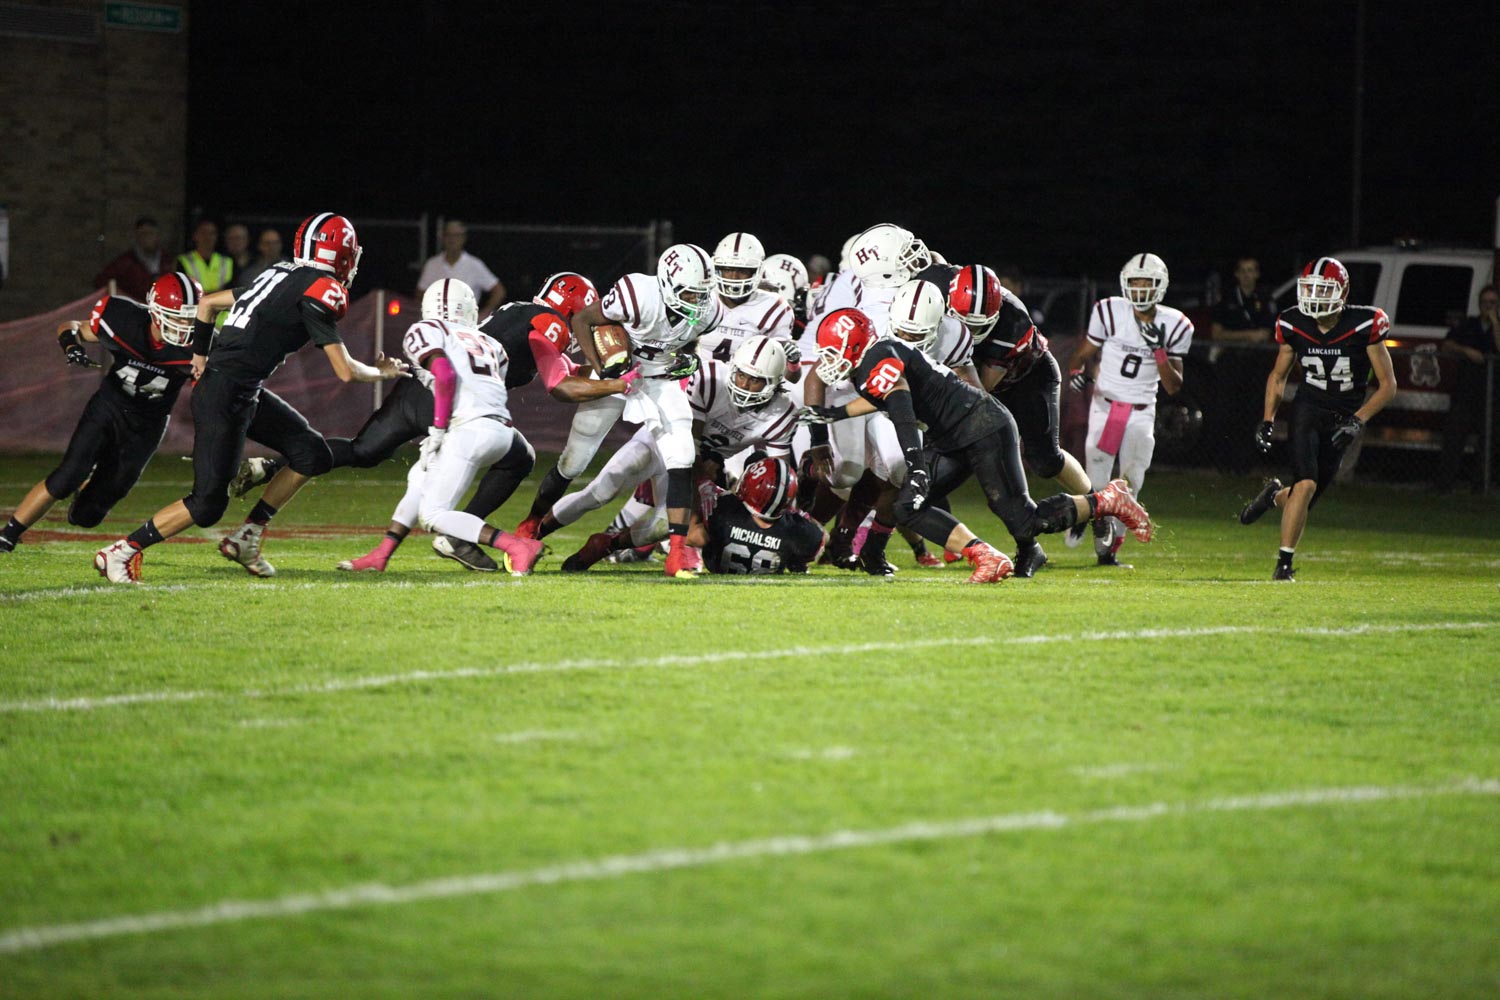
1116, 500
990, 564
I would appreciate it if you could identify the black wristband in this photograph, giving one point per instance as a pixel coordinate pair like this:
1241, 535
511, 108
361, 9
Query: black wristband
203, 335
69, 338
818, 434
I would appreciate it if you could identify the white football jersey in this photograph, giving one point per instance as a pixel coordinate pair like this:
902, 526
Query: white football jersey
840, 291
1127, 369
727, 428
478, 360
954, 346
636, 303
762, 312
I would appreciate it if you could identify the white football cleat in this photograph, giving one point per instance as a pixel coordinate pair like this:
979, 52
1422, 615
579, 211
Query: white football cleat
242, 545
119, 563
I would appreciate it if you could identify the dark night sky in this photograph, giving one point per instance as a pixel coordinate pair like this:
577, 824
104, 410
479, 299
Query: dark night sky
1046, 134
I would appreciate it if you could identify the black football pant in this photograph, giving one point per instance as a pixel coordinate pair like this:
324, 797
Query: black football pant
404, 415
1033, 402
995, 460
106, 456
1314, 455
225, 414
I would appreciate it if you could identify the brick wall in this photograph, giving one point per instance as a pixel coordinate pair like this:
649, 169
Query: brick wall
94, 134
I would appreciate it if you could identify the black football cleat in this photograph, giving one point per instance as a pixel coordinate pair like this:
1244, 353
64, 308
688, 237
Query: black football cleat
1111, 560
1028, 560
1286, 573
466, 554
1264, 501
874, 564
252, 473
6, 545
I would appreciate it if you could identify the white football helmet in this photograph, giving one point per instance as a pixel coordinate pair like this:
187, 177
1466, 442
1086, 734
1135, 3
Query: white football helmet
845, 261
687, 279
916, 312
785, 275
886, 256
1150, 267
758, 357
450, 300
738, 252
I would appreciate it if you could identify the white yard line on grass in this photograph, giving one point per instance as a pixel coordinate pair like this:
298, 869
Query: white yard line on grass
537, 736
85, 703
24, 939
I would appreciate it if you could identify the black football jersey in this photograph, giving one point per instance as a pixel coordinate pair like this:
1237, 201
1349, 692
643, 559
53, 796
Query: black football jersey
513, 324
940, 398
147, 374
1014, 344
736, 544
1335, 365
287, 306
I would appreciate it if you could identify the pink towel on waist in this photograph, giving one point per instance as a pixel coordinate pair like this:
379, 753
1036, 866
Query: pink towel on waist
1114, 427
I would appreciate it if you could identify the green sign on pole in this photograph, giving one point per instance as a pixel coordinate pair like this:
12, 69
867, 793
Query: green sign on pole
143, 17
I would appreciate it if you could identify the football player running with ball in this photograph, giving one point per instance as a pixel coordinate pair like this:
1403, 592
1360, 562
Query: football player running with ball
1134, 344
970, 432
1337, 346
124, 421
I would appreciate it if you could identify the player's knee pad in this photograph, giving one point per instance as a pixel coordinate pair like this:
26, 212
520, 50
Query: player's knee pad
360, 456
61, 483
83, 514
310, 457
206, 511
1055, 513
1047, 465
1018, 513
521, 458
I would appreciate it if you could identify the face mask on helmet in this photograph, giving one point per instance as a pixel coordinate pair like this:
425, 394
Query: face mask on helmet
1143, 281
737, 265
843, 337
974, 297
687, 279
568, 292
756, 372
1322, 288
452, 301
916, 312
173, 304
885, 256
329, 243
767, 488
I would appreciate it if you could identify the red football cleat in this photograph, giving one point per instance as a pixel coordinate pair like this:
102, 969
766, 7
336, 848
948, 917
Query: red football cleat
528, 528
599, 545
374, 560
990, 564
1115, 500
929, 561
679, 562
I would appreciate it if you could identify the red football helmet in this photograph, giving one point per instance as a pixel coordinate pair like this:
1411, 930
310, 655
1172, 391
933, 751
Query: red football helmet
767, 487
1322, 288
173, 304
974, 297
843, 337
328, 242
568, 292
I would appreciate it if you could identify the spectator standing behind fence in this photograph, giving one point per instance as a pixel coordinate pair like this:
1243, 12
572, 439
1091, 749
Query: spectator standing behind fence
1476, 344
135, 269
267, 252
1242, 322
456, 262
237, 249
205, 265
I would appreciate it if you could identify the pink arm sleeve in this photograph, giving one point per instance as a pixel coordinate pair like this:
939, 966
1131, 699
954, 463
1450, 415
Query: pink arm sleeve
550, 365
444, 382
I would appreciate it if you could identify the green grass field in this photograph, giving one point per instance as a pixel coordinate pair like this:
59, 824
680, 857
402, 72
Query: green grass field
1178, 781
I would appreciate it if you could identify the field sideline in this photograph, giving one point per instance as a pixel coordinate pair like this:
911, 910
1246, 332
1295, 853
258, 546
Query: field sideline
1181, 780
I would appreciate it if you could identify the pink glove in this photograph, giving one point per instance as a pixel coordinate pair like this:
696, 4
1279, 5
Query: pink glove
629, 378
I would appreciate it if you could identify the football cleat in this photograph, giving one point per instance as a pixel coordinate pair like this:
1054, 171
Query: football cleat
641, 553
528, 528
119, 563
531, 551
1075, 534
990, 564
599, 545
1116, 500
1029, 559
466, 554
875, 564
1111, 560
242, 545
679, 564
1286, 573
927, 560
370, 561
252, 473
1263, 502
6, 545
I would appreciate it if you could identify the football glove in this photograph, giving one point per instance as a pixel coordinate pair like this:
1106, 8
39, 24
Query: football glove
616, 370
820, 414
433, 443
1347, 431
913, 495
684, 364
1154, 334
76, 355
1263, 436
1078, 379
793, 353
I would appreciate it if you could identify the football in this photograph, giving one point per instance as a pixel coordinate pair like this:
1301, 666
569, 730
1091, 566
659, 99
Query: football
613, 345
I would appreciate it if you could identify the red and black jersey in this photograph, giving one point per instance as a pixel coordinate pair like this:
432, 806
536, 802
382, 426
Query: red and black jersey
523, 328
1336, 364
737, 544
1014, 343
288, 306
940, 398
147, 373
